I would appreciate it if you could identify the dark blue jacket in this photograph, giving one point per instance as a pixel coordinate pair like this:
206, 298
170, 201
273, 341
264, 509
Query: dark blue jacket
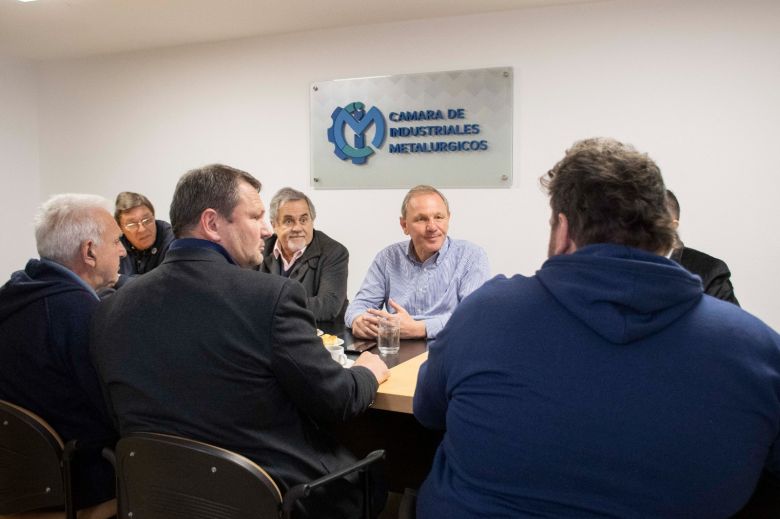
45, 312
606, 385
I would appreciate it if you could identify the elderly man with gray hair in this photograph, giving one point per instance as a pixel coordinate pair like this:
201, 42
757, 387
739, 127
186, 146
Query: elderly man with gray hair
45, 313
308, 256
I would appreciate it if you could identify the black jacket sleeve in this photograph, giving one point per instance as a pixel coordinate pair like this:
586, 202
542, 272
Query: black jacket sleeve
320, 387
332, 290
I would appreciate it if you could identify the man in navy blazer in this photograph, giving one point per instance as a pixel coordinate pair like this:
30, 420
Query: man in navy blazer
206, 347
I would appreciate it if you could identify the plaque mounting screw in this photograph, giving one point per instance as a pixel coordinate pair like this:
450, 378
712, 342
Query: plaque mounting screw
315, 88
506, 74
504, 177
316, 179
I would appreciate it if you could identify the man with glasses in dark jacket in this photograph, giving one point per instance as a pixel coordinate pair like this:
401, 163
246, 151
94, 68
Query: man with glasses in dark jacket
145, 238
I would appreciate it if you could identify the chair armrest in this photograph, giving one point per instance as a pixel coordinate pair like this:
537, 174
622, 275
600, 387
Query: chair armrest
109, 455
304, 489
73, 447
69, 452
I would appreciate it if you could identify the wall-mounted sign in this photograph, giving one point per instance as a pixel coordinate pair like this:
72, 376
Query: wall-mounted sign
447, 129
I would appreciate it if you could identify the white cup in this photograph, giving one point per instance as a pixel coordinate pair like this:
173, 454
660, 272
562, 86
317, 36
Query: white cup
337, 354
389, 337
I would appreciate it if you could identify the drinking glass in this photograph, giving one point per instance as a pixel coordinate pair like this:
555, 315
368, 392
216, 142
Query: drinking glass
389, 338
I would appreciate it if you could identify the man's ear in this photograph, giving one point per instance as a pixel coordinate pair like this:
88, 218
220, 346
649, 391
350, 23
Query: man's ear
210, 225
402, 221
562, 242
87, 253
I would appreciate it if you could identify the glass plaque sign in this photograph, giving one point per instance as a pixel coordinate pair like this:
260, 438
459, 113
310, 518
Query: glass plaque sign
446, 129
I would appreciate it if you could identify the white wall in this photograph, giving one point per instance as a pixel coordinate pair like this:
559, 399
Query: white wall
693, 83
19, 179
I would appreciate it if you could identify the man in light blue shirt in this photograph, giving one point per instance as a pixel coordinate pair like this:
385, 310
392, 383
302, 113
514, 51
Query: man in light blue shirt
421, 280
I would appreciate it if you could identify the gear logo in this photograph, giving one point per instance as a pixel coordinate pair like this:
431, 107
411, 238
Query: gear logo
355, 115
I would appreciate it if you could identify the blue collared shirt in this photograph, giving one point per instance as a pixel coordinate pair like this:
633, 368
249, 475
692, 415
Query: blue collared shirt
429, 291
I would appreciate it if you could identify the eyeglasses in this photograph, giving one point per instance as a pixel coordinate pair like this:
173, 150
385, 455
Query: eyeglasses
289, 222
134, 226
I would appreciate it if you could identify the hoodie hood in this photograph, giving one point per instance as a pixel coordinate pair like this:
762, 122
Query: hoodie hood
39, 279
621, 293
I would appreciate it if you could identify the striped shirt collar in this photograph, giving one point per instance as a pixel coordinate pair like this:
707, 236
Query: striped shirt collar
435, 258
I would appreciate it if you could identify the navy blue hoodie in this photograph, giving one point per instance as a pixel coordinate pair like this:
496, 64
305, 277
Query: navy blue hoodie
45, 311
607, 385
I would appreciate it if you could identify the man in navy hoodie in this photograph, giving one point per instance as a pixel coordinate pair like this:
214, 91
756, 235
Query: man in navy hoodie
45, 311
608, 384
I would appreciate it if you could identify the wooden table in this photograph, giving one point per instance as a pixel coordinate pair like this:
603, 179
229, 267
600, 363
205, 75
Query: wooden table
397, 392
389, 424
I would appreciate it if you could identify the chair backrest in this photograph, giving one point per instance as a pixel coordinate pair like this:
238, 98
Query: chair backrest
31, 453
167, 477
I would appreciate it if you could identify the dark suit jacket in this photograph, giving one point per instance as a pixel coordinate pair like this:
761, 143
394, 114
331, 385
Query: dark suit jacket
201, 348
322, 270
714, 273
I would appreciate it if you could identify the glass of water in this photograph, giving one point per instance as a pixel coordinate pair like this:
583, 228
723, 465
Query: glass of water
389, 338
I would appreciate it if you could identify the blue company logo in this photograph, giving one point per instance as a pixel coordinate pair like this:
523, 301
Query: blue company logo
354, 114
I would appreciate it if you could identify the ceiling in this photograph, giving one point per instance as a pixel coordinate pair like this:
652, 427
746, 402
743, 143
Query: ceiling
54, 29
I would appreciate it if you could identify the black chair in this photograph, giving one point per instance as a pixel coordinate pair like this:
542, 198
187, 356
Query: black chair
161, 476
35, 466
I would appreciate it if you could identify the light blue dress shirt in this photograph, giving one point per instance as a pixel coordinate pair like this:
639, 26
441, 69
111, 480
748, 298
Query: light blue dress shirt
429, 291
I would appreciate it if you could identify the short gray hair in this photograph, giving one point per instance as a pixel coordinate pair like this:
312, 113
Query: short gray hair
288, 194
422, 189
65, 221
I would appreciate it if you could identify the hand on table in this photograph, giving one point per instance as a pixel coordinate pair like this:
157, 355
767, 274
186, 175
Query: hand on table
365, 326
410, 329
374, 364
